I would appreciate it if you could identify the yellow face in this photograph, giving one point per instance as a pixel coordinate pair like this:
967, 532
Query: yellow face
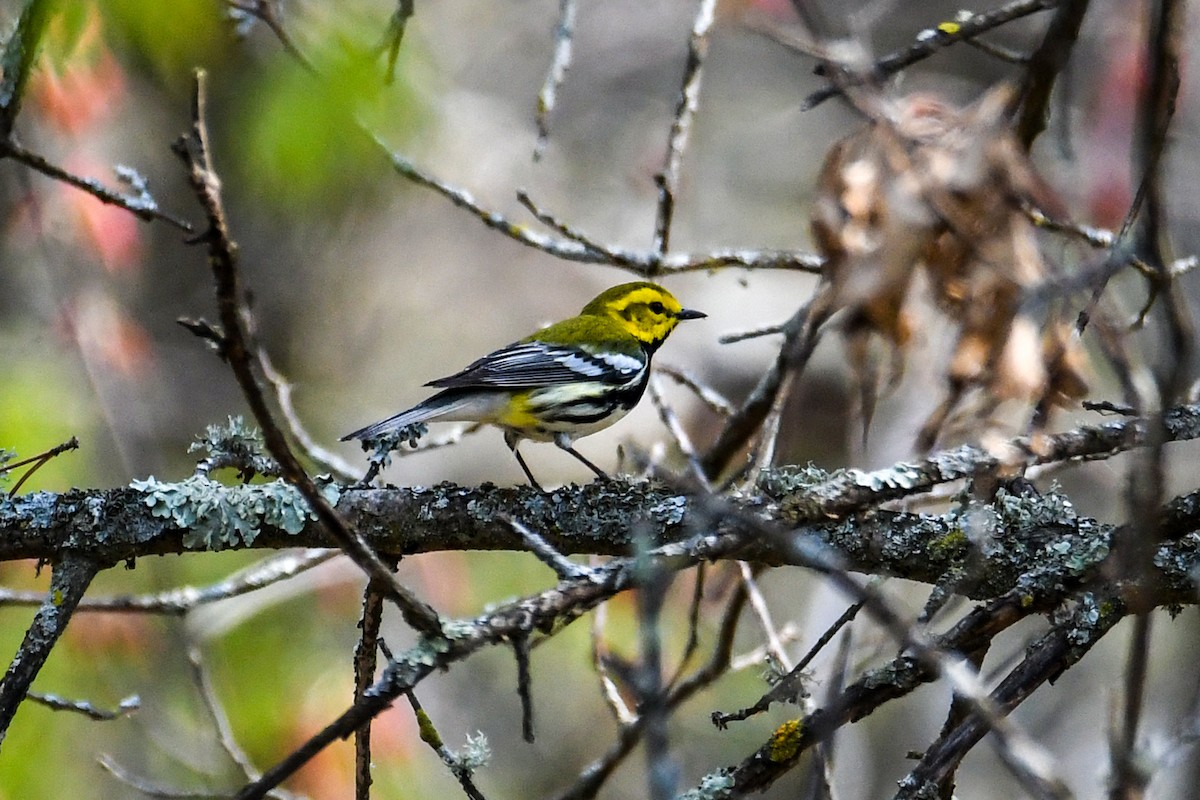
646, 310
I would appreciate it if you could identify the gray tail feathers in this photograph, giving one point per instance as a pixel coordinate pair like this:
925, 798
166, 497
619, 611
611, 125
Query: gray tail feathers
442, 405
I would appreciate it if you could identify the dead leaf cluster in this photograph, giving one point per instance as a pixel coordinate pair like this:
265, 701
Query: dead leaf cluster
932, 194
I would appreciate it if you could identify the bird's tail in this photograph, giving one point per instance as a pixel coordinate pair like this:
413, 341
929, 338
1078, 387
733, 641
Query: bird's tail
442, 406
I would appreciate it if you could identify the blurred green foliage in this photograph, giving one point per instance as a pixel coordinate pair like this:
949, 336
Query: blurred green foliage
29, 387
169, 38
300, 147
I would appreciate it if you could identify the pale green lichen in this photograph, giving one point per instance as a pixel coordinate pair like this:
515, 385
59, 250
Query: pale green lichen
215, 516
476, 753
781, 482
713, 786
236, 445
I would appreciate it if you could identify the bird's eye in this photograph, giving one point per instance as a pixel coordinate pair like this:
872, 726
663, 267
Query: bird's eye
657, 307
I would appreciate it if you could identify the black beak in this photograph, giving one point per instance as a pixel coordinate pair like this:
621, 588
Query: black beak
687, 313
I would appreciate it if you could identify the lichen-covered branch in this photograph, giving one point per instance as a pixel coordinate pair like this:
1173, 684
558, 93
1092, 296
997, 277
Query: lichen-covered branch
72, 575
1039, 541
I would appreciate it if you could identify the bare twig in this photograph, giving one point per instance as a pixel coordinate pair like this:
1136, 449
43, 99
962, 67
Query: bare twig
931, 40
755, 333
431, 737
150, 788
678, 434
801, 334
608, 687
564, 34
681, 125
325, 459
268, 12
37, 461
1044, 66
365, 657
592, 778
126, 707
395, 35
790, 685
220, 720
71, 576
521, 648
562, 566
194, 150
709, 396
142, 206
179, 601
644, 263
758, 604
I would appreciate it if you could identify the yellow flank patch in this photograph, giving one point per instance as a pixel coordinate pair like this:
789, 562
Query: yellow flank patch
949, 28
785, 741
517, 414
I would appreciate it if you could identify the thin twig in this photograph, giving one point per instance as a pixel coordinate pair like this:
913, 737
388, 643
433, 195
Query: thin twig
640, 262
564, 35
37, 461
179, 601
608, 687
142, 206
754, 333
570, 232
1044, 66
930, 41
150, 788
325, 459
193, 149
429, 735
220, 720
126, 707
592, 778
790, 685
801, 334
678, 434
565, 568
758, 604
397, 24
72, 574
365, 658
715, 401
681, 125
268, 12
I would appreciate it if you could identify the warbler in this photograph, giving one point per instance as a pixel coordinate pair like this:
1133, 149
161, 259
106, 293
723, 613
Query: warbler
568, 380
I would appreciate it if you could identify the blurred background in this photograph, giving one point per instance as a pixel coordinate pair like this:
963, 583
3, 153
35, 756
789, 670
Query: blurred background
366, 286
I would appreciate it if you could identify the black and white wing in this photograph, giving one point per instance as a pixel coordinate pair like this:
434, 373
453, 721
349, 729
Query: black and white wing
524, 365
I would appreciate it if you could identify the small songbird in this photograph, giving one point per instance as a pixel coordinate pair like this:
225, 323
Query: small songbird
568, 380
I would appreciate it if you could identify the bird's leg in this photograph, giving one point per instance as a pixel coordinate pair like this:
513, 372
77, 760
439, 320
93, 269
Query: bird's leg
511, 441
564, 443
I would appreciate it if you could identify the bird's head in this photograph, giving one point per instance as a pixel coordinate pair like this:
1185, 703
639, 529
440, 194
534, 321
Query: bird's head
646, 310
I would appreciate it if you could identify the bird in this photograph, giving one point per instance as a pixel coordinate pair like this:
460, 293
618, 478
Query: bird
566, 381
